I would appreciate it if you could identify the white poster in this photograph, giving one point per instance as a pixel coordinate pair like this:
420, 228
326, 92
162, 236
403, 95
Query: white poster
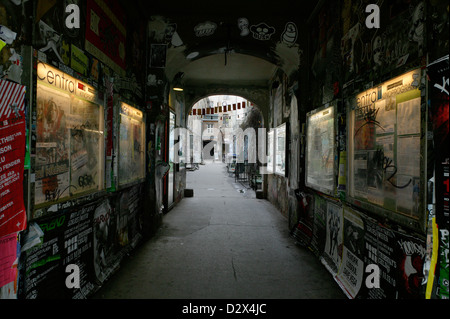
408, 117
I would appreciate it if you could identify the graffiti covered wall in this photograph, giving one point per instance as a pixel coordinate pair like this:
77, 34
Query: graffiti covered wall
77, 216
358, 236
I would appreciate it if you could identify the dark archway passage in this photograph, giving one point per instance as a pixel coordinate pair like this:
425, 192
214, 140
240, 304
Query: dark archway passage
221, 243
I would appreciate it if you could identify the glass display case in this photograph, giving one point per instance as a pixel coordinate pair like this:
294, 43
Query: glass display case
131, 145
320, 149
69, 137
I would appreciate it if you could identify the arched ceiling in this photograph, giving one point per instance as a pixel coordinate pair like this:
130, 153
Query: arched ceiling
228, 42
240, 70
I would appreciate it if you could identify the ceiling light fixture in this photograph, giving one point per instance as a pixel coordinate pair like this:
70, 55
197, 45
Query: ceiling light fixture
192, 55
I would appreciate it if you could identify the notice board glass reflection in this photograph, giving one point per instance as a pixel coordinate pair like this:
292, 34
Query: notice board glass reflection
384, 147
131, 145
69, 137
320, 149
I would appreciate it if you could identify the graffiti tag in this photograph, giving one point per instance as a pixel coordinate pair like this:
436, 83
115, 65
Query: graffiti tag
387, 165
370, 117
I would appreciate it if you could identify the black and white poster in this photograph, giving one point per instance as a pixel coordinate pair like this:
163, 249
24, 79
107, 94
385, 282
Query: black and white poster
66, 244
332, 255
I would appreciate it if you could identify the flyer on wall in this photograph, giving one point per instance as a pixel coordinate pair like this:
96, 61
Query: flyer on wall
12, 154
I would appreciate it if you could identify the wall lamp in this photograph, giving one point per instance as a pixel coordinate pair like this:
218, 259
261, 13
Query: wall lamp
177, 85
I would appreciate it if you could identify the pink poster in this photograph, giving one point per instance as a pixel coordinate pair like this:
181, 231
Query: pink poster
8, 266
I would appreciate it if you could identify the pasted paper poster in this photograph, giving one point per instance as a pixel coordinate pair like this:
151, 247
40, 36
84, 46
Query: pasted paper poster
106, 33
350, 276
8, 266
12, 154
332, 254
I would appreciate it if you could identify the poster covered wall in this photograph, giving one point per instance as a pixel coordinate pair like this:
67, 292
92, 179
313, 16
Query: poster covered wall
356, 243
379, 249
67, 240
130, 217
369, 53
106, 33
94, 237
439, 74
12, 154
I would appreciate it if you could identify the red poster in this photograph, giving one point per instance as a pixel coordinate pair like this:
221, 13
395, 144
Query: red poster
106, 33
12, 154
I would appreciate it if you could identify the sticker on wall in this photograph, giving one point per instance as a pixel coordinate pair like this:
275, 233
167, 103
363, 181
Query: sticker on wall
152, 80
14, 72
262, 31
2, 45
64, 52
417, 27
172, 36
95, 69
158, 54
205, 29
290, 33
51, 39
79, 61
243, 26
7, 35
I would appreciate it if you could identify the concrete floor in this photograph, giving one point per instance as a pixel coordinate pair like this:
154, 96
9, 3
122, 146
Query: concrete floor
223, 244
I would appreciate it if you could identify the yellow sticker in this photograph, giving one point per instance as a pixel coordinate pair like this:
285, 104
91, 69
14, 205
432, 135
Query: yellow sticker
2, 45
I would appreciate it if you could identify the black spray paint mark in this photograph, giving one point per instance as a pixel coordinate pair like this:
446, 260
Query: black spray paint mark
386, 163
370, 117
